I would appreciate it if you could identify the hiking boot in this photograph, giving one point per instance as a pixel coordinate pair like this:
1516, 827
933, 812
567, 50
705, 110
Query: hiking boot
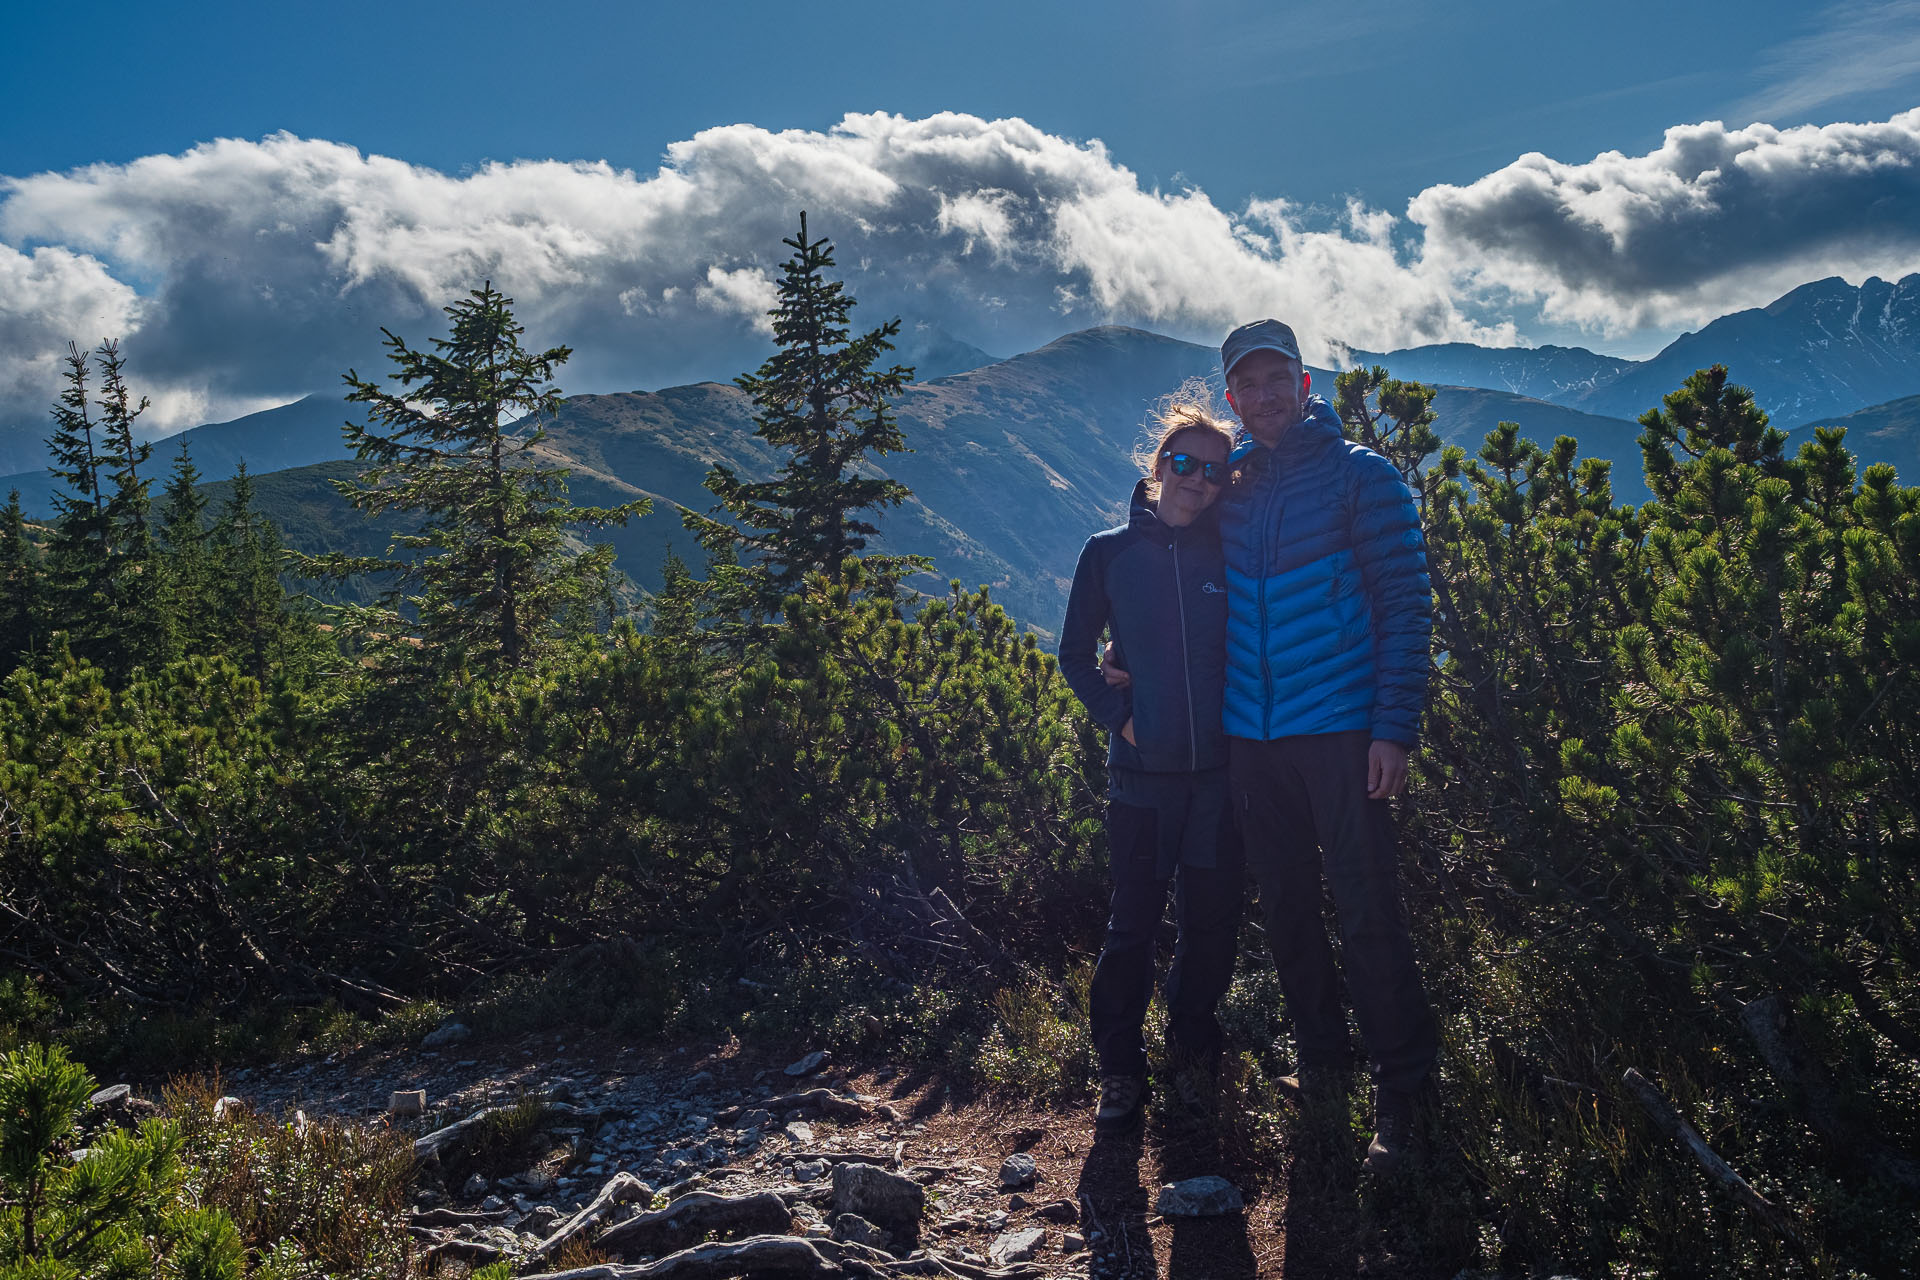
1197, 1090
1122, 1100
1393, 1119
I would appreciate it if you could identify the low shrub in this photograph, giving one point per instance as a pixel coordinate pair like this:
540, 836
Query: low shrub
313, 1199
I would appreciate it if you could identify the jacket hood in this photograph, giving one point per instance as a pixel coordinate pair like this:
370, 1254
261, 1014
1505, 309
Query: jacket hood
1315, 431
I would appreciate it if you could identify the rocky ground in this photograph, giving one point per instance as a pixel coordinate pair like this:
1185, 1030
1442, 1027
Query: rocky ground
871, 1169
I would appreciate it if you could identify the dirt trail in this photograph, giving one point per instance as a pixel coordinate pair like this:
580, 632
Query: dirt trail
1093, 1199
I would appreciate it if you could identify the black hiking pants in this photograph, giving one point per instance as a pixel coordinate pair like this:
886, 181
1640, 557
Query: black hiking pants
1207, 903
1302, 804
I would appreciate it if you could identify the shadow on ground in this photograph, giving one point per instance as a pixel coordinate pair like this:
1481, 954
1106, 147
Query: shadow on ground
1113, 1210
1204, 1248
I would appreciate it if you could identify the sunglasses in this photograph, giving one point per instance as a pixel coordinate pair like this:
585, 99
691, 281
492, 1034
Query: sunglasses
1185, 464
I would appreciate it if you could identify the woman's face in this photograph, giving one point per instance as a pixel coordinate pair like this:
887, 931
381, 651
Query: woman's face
1182, 497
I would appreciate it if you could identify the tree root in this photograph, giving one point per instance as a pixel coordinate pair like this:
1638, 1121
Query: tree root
791, 1256
693, 1217
624, 1188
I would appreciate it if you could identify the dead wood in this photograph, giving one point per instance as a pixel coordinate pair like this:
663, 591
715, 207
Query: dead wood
693, 1217
1673, 1125
622, 1188
1769, 1024
826, 1101
441, 1142
453, 1136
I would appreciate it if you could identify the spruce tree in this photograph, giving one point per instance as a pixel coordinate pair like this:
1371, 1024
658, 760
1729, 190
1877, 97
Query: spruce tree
821, 399
101, 556
139, 619
186, 564
489, 573
21, 622
80, 551
249, 602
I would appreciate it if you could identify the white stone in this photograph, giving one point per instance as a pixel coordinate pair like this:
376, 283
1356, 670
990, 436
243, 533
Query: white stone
1017, 1246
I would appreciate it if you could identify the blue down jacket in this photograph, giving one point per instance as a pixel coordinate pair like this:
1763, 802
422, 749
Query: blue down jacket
1162, 592
1329, 607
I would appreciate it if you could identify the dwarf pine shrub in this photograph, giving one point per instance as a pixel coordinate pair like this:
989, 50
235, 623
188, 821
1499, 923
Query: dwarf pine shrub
120, 1208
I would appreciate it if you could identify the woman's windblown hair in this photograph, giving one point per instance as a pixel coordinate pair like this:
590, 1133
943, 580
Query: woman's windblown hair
1190, 408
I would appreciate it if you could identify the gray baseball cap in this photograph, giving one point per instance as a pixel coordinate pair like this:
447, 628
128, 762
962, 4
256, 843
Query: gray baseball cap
1261, 335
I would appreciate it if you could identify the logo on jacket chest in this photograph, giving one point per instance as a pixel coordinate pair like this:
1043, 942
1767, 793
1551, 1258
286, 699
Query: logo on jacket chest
1212, 589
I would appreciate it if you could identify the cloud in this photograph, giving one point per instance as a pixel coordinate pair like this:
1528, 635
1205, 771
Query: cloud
243, 271
1852, 49
1713, 220
268, 267
54, 291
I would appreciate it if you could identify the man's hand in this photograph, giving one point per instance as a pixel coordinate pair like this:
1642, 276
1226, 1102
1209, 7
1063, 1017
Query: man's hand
1386, 769
1118, 677
1126, 731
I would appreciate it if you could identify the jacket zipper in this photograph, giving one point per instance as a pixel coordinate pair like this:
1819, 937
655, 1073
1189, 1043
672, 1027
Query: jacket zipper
1266, 654
1186, 660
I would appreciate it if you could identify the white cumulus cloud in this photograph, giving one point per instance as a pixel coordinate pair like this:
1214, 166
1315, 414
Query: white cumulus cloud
48, 297
269, 266
1713, 220
239, 271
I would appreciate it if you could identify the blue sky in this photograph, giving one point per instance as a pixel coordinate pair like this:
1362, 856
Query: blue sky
1311, 101
1361, 158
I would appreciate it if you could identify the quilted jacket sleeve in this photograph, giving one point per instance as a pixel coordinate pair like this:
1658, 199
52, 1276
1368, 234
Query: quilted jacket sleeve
1392, 555
1087, 612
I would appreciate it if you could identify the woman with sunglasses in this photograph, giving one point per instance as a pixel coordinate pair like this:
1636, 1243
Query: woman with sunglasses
1158, 585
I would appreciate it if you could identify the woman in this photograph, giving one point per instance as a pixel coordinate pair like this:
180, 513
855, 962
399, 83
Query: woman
1157, 583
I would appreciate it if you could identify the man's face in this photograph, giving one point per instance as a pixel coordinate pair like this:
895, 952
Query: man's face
1267, 391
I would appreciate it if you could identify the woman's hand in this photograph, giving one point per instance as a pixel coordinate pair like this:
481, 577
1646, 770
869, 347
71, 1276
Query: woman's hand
1117, 676
1126, 731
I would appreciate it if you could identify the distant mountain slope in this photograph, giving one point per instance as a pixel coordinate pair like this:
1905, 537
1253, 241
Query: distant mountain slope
1013, 464
1824, 349
312, 517
1559, 374
291, 435
1880, 433
935, 353
1464, 416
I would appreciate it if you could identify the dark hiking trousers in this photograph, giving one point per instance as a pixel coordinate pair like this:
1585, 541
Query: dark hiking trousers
1302, 804
1207, 902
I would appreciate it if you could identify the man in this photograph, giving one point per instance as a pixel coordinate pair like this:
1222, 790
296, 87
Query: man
1329, 617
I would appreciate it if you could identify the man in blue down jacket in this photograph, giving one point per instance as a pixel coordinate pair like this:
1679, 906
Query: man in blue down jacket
1329, 618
